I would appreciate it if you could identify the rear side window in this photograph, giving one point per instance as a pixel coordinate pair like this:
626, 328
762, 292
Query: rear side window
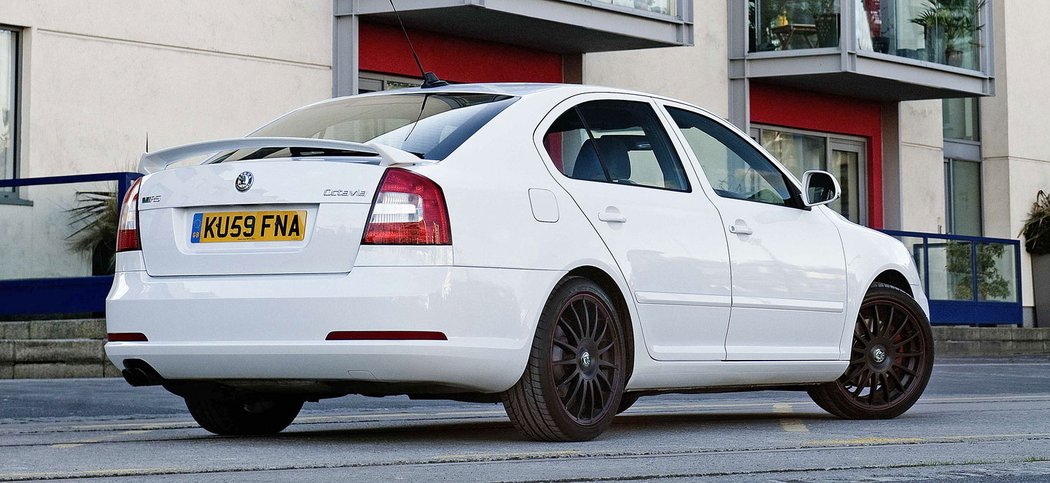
619, 142
429, 125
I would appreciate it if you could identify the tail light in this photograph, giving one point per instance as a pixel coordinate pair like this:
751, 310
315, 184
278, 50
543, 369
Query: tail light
408, 210
128, 225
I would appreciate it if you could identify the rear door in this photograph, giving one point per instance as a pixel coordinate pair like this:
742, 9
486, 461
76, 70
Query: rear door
616, 160
788, 267
255, 217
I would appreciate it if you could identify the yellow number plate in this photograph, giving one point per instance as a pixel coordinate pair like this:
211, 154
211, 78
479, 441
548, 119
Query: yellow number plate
248, 226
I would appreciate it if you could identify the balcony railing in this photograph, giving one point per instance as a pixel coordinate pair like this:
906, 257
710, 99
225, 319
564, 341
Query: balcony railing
969, 280
45, 278
947, 32
662, 7
559, 26
884, 50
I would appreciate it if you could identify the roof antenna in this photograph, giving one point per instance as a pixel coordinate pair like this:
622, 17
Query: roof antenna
430, 79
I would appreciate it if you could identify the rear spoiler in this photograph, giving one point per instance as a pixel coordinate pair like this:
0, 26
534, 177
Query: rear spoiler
370, 153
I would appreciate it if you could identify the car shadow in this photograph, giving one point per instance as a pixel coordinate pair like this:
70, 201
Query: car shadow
492, 430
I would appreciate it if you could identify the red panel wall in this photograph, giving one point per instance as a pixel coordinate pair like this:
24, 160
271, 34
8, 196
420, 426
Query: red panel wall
778, 106
383, 48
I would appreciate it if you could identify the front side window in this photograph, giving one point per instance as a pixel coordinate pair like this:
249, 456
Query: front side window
8, 106
618, 142
734, 168
430, 126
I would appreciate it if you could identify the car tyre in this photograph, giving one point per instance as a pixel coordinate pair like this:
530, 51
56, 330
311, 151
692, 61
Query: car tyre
227, 416
574, 380
890, 363
628, 400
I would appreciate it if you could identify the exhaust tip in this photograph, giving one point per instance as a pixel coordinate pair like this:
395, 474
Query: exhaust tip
135, 377
138, 373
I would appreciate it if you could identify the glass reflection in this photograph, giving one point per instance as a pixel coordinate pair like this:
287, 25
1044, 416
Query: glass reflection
793, 24
945, 32
996, 267
666, 7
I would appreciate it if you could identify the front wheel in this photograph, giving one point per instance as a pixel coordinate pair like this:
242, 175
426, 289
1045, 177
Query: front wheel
891, 360
574, 380
228, 416
628, 400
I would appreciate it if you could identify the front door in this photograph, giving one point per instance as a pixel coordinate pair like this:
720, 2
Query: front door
788, 267
617, 162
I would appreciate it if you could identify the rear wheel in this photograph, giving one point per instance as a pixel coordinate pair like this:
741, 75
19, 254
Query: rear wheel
226, 416
574, 379
891, 361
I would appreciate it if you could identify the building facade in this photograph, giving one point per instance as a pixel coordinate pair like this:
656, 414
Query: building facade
927, 111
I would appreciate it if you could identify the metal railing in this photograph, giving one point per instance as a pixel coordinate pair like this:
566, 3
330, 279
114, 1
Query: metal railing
969, 280
60, 295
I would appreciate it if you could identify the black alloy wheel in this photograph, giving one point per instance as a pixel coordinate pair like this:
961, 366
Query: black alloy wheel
891, 360
575, 377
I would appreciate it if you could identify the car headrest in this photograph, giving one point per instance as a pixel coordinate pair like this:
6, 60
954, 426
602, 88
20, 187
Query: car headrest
614, 151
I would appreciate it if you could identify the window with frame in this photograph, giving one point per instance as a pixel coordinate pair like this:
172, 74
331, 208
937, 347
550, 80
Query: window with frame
962, 167
9, 76
734, 168
843, 156
615, 141
962, 182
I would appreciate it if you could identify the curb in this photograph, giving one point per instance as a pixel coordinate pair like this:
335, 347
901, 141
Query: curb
54, 349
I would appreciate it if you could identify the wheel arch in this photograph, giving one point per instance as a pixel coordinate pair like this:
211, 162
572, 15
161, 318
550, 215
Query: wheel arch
612, 289
894, 278
891, 274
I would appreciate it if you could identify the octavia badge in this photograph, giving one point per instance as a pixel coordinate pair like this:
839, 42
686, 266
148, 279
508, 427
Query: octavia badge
244, 181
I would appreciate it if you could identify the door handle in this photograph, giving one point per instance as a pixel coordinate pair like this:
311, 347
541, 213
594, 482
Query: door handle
739, 227
612, 215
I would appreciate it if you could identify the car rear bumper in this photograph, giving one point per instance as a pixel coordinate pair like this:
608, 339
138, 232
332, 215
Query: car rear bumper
275, 327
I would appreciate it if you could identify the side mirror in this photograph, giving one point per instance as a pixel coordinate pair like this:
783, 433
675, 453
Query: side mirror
821, 188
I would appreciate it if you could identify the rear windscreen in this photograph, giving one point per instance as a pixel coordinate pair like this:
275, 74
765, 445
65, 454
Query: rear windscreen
430, 126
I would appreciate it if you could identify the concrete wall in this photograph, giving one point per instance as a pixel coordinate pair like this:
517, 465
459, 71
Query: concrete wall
697, 74
922, 166
99, 78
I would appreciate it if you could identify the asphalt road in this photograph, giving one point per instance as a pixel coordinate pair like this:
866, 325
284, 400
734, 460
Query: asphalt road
980, 420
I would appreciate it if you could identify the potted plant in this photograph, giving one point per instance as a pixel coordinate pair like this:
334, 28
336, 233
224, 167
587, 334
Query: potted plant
94, 220
948, 25
826, 16
1036, 233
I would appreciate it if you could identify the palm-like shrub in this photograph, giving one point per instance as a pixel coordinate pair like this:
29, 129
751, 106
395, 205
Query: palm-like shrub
94, 219
1036, 230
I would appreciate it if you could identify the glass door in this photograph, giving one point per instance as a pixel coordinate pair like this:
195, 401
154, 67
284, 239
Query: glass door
847, 160
845, 157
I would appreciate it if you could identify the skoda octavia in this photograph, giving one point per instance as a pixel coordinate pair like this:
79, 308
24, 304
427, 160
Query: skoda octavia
561, 249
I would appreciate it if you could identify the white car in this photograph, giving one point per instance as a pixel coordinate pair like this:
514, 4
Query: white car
563, 249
